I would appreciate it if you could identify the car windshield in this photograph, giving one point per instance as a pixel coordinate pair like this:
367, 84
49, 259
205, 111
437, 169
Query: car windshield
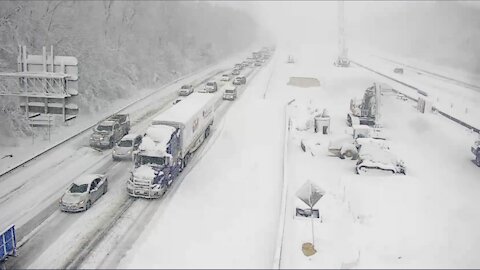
78, 188
210, 83
125, 143
185, 87
104, 128
152, 160
229, 91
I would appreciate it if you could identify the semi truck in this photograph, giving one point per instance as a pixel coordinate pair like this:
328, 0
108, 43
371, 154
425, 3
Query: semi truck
168, 145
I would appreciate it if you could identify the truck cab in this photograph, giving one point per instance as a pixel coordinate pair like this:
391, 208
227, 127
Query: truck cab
155, 166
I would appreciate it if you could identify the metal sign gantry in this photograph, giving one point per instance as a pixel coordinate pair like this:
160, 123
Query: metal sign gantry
45, 83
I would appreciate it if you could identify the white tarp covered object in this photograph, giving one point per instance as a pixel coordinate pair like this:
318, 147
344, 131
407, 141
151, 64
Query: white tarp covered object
310, 193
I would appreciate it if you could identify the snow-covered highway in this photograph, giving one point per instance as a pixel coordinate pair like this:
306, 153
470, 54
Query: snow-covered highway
30, 195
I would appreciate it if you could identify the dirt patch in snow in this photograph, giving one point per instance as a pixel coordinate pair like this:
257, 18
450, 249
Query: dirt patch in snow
304, 82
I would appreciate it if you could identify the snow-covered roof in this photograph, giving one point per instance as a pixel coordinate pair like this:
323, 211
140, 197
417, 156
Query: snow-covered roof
375, 153
86, 179
156, 140
108, 123
183, 111
129, 136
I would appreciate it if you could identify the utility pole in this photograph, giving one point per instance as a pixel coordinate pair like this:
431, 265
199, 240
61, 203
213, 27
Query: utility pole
342, 60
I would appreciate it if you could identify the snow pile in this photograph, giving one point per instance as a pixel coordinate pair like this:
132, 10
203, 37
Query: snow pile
303, 116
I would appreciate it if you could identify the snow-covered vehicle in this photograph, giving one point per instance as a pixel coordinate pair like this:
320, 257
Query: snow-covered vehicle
398, 70
110, 131
169, 143
290, 60
83, 192
210, 87
238, 66
476, 151
240, 80
258, 63
236, 72
364, 131
225, 78
125, 147
343, 147
374, 157
230, 92
359, 142
185, 90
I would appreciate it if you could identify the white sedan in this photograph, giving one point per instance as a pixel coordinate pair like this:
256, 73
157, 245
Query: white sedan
83, 192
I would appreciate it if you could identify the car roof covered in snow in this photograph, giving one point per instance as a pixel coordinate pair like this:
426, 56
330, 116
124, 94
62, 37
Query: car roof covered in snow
108, 123
86, 179
184, 111
129, 136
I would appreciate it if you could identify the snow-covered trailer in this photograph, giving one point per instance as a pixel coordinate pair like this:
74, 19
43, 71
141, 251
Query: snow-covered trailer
169, 143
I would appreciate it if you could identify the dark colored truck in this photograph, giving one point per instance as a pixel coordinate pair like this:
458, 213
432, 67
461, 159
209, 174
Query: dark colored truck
110, 131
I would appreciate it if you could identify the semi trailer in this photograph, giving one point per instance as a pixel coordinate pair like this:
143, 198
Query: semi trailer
168, 145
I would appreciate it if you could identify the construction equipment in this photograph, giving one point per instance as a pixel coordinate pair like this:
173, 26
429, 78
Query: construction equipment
365, 111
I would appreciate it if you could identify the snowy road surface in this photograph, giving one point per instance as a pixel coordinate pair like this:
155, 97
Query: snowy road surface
224, 212
30, 196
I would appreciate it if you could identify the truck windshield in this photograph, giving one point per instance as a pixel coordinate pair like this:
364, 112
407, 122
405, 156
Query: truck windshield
125, 143
152, 160
78, 188
104, 128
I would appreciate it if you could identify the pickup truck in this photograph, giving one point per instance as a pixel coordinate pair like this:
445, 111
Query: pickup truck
476, 151
110, 131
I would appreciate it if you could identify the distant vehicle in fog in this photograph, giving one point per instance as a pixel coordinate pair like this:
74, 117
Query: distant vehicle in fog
83, 192
398, 70
225, 78
186, 90
236, 72
210, 87
240, 80
230, 92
